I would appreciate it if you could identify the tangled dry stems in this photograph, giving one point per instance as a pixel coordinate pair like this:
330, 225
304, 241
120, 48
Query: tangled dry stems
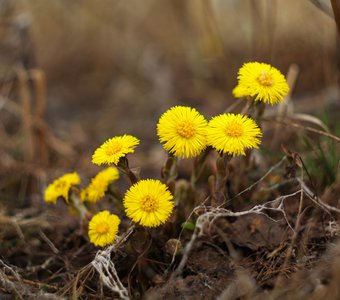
11, 281
106, 268
211, 214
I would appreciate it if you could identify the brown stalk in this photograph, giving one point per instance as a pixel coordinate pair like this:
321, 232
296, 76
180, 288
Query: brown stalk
263, 14
39, 81
220, 188
26, 114
294, 238
307, 128
336, 11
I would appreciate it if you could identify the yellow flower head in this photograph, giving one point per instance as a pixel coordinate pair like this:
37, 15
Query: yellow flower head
182, 130
99, 184
103, 228
262, 81
61, 187
113, 149
231, 134
149, 203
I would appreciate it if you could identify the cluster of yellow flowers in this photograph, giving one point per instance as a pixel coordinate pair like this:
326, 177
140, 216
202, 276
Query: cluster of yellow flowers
61, 187
262, 82
99, 184
147, 202
184, 133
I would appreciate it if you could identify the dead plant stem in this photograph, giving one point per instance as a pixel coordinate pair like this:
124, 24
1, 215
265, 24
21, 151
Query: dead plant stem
26, 114
336, 11
294, 237
296, 125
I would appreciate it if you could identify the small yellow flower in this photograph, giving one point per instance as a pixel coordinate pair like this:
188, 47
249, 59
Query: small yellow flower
262, 81
115, 148
103, 228
149, 203
231, 134
61, 187
182, 130
99, 184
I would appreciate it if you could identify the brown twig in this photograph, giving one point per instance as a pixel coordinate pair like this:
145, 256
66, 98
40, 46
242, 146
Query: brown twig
26, 113
336, 11
39, 82
294, 238
220, 190
321, 5
308, 128
138, 260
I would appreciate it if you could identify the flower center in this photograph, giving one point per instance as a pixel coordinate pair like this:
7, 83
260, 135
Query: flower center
113, 149
148, 204
102, 228
265, 79
234, 130
185, 129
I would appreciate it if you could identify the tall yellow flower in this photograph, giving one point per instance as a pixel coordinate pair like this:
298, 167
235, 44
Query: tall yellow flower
99, 184
61, 187
231, 134
113, 149
261, 81
148, 203
182, 130
103, 228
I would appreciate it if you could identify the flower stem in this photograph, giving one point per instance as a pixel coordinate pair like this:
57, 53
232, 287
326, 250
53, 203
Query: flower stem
219, 185
78, 205
123, 166
199, 167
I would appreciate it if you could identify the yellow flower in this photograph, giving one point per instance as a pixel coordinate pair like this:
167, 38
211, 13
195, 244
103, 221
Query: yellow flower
103, 228
61, 187
231, 134
148, 202
182, 130
99, 184
262, 81
113, 149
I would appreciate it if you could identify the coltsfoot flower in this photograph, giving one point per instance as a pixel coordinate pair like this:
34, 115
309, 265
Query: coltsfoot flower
148, 203
261, 81
231, 134
103, 228
115, 148
61, 187
182, 130
99, 185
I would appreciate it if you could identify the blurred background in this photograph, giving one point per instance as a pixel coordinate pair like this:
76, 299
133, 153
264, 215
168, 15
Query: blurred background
104, 68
